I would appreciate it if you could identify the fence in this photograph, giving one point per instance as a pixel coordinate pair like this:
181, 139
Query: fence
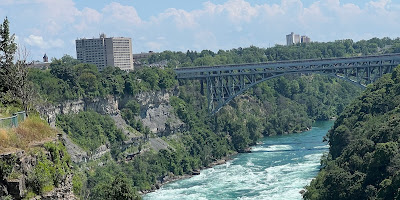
13, 121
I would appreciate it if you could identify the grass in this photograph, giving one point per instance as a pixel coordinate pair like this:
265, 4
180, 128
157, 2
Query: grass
14, 175
30, 131
30, 195
47, 188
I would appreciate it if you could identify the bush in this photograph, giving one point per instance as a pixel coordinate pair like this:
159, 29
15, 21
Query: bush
41, 176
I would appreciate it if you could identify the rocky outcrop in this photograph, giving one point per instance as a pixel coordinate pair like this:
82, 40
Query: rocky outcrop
100, 151
157, 113
15, 170
77, 154
62, 192
158, 144
108, 105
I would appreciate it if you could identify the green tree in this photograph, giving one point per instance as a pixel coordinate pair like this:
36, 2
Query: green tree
15, 87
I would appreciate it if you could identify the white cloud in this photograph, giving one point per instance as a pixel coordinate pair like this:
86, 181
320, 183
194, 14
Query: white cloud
182, 18
38, 41
34, 40
88, 18
91, 15
122, 13
237, 10
380, 4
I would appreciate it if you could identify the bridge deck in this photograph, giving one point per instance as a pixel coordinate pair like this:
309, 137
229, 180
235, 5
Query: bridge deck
290, 64
225, 82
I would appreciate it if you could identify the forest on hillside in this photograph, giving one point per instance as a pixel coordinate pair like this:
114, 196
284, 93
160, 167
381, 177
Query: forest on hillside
364, 156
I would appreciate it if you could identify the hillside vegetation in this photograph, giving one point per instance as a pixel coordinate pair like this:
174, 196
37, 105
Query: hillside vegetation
29, 132
364, 156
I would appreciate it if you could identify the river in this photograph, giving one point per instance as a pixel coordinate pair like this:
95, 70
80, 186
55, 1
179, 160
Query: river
279, 168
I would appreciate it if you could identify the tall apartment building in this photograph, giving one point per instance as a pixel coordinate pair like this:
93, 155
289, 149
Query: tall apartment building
292, 39
305, 39
103, 51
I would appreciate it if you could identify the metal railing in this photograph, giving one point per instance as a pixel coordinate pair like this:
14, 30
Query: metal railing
13, 121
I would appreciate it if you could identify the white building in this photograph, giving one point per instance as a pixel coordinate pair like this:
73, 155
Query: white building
103, 51
292, 39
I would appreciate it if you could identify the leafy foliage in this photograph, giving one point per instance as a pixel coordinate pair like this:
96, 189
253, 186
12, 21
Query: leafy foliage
6, 166
68, 79
15, 87
90, 130
364, 157
49, 171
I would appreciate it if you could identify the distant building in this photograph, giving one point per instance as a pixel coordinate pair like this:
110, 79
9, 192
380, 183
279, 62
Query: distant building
40, 65
293, 39
45, 58
142, 55
103, 51
305, 39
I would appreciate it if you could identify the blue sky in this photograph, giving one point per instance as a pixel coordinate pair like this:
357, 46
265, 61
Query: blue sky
51, 26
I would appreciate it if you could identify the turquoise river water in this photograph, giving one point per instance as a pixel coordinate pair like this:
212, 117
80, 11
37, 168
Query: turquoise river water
279, 168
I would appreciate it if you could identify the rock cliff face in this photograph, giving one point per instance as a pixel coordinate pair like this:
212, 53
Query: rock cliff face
157, 113
104, 106
77, 154
15, 169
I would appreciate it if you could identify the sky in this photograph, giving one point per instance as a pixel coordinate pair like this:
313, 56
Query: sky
52, 26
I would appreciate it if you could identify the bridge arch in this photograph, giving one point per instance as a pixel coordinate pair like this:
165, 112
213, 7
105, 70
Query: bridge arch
226, 82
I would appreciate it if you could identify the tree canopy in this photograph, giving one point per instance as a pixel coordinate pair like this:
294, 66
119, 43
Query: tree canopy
364, 156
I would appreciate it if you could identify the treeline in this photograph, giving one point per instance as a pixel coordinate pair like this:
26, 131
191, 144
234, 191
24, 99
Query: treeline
364, 156
252, 54
68, 79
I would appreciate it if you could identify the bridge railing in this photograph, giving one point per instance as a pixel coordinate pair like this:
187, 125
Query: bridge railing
13, 121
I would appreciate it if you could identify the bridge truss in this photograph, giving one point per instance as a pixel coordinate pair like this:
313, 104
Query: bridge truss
228, 81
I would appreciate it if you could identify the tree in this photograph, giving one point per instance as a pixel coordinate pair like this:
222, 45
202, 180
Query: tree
13, 76
7, 51
7, 45
120, 188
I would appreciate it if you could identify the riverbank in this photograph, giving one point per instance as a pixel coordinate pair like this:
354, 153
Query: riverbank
277, 168
169, 179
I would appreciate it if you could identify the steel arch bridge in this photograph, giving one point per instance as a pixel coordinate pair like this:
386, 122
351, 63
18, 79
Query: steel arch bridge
225, 82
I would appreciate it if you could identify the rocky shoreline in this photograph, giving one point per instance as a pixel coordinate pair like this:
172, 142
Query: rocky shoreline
169, 179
